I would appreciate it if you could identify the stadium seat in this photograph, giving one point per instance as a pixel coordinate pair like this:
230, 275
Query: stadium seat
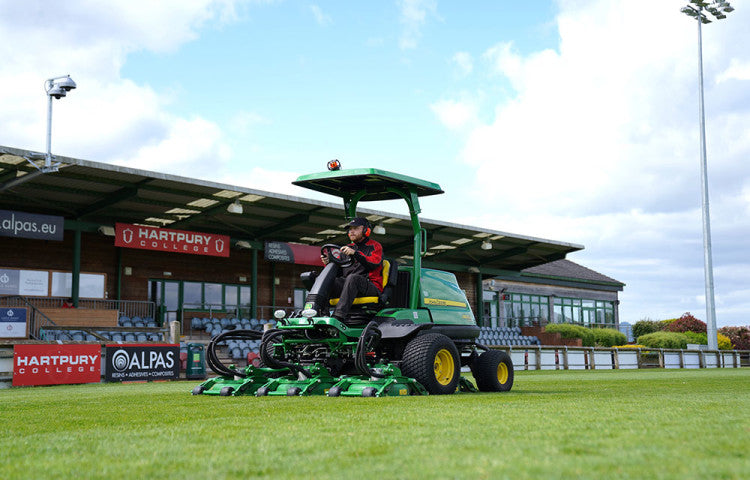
122, 320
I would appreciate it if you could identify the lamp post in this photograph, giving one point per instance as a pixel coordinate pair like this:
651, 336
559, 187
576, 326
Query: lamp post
718, 10
57, 87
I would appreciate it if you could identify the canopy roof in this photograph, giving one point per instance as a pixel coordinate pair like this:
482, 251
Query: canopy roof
90, 195
378, 184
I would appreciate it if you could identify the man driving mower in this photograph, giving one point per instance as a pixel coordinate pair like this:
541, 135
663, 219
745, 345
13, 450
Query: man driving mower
364, 276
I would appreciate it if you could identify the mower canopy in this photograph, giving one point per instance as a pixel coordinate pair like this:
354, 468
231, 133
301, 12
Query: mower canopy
371, 183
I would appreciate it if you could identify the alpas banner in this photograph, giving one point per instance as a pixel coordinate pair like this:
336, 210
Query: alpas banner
166, 240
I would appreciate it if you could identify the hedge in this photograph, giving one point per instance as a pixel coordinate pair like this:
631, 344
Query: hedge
566, 330
608, 337
645, 326
664, 340
740, 336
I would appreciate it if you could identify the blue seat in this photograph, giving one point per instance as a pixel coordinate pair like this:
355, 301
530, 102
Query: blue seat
122, 320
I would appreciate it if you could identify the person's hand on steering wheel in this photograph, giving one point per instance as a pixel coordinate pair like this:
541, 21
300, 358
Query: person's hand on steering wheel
348, 250
335, 254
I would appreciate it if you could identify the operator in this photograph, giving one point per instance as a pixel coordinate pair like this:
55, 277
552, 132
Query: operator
364, 277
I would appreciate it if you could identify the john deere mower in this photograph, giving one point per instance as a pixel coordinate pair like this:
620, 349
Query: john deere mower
412, 339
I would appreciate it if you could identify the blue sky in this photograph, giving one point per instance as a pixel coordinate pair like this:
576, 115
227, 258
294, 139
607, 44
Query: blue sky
569, 120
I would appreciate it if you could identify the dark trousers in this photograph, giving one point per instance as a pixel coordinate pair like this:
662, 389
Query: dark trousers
347, 289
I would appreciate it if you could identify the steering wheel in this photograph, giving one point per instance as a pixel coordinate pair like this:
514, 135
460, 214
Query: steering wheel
335, 255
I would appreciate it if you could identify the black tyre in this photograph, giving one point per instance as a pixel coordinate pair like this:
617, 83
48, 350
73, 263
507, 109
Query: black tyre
334, 391
493, 371
293, 391
226, 391
198, 390
432, 359
261, 392
369, 391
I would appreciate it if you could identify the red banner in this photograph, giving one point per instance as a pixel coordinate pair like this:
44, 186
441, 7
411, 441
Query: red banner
166, 240
293, 253
56, 364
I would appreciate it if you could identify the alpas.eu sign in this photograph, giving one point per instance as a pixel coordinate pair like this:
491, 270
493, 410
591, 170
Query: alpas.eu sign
31, 225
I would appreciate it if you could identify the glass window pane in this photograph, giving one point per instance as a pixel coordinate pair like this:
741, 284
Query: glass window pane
230, 295
489, 296
245, 296
192, 294
588, 303
171, 295
558, 314
212, 293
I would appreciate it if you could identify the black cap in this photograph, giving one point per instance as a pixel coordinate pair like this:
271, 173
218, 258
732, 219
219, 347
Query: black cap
358, 222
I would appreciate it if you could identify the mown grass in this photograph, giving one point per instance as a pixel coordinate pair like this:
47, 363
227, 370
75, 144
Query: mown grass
603, 424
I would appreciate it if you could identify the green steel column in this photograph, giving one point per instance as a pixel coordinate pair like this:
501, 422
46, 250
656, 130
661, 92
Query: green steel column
76, 286
254, 283
480, 300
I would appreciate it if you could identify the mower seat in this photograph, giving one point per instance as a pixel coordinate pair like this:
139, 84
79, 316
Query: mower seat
390, 274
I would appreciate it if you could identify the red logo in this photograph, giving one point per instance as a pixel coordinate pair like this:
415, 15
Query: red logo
166, 240
56, 364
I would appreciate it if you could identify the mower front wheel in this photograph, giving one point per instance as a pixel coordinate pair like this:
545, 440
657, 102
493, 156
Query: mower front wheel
432, 359
493, 371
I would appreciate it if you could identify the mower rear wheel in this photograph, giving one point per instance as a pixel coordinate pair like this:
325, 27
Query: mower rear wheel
198, 390
432, 359
493, 371
226, 391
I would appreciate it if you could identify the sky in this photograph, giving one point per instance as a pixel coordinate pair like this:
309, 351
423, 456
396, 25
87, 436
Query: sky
568, 120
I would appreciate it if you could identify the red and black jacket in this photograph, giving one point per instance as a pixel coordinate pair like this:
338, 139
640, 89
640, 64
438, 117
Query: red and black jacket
368, 260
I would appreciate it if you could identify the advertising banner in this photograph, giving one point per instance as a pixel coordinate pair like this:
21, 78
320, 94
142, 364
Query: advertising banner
283, 252
13, 322
142, 362
56, 364
31, 225
166, 240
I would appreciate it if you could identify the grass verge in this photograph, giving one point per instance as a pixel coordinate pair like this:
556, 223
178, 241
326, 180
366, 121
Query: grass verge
602, 424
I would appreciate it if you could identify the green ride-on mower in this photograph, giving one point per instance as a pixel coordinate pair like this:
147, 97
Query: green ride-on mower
412, 339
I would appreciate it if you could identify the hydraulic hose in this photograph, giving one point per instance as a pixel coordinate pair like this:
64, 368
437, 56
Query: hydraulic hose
270, 361
212, 358
369, 338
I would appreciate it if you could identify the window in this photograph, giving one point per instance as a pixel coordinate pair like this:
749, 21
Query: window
584, 312
526, 310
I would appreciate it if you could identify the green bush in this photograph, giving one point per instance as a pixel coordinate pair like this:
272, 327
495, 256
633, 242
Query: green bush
664, 340
699, 338
608, 337
686, 323
646, 326
724, 342
740, 336
566, 330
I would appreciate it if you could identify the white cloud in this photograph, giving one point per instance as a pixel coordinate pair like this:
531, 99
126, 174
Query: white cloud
414, 14
107, 118
455, 115
323, 19
735, 71
464, 62
597, 143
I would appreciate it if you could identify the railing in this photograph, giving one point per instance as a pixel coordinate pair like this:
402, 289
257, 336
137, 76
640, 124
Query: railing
596, 358
35, 320
264, 312
38, 320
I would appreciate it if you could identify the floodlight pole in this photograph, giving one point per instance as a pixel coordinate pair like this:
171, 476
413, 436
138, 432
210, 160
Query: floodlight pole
708, 268
48, 155
695, 10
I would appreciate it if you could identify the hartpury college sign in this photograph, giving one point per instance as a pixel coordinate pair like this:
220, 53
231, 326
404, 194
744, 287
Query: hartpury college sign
166, 240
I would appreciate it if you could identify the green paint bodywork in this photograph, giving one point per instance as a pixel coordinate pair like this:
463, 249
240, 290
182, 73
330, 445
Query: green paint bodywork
434, 298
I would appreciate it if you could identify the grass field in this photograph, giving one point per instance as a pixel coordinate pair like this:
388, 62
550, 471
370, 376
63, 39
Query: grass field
605, 424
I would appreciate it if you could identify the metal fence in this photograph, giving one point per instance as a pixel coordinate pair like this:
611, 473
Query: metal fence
596, 358
37, 320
